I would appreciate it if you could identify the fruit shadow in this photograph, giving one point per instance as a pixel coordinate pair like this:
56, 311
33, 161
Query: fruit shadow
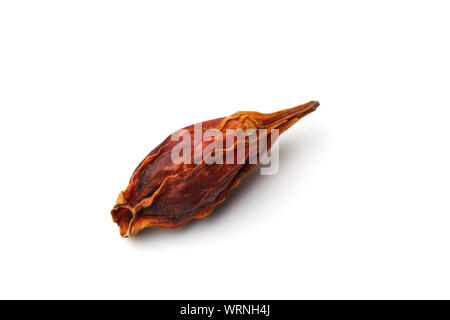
291, 150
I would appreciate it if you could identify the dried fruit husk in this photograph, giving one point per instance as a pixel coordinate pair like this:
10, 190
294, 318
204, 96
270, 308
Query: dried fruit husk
165, 195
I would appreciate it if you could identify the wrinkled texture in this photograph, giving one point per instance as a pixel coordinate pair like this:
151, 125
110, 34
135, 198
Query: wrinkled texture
165, 195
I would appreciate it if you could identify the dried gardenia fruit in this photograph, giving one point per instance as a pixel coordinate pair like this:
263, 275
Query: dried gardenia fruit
166, 194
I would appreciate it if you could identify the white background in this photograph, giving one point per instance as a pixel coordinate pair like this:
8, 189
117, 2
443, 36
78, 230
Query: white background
359, 209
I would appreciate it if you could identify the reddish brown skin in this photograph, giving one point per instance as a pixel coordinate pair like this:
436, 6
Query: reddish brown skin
165, 195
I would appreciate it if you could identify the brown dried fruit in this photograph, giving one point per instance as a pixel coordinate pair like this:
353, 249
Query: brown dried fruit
165, 195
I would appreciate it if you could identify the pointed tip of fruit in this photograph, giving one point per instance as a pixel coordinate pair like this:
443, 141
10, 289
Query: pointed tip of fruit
312, 105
